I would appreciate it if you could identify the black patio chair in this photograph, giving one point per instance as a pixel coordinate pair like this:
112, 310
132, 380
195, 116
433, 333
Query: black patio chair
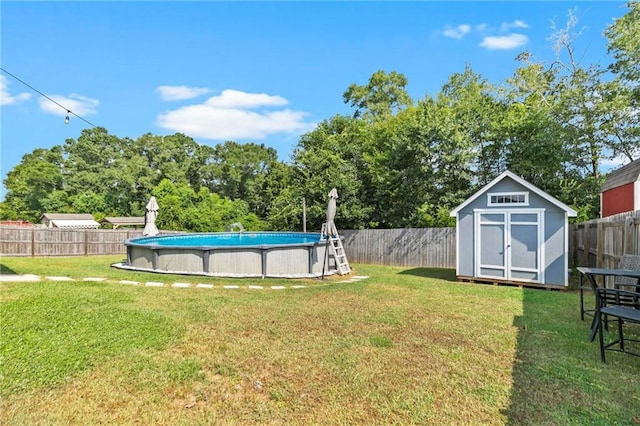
622, 306
627, 261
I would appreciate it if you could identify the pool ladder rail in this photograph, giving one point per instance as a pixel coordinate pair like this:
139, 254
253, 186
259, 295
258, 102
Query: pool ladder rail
331, 232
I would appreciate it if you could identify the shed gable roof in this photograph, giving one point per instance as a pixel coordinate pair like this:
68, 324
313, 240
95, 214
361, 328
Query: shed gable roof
133, 220
507, 174
624, 175
67, 216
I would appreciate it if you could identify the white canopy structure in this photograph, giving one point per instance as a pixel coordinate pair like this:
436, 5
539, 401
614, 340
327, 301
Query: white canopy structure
75, 224
69, 220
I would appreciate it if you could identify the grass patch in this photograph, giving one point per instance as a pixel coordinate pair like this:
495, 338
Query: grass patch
380, 341
405, 346
50, 333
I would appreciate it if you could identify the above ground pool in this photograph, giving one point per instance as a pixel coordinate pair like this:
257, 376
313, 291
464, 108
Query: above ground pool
233, 254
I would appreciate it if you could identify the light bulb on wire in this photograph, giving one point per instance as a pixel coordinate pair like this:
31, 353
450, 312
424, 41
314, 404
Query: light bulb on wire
66, 118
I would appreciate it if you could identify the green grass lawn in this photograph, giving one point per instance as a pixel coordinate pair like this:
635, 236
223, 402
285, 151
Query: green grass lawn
405, 346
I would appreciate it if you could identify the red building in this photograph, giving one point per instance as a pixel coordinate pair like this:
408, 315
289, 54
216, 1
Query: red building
19, 223
621, 190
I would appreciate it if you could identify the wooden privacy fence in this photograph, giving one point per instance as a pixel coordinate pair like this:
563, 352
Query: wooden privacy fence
598, 243
16, 241
428, 247
602, 242
398, 247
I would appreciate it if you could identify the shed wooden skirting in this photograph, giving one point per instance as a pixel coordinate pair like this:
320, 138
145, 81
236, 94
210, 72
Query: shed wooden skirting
520, 284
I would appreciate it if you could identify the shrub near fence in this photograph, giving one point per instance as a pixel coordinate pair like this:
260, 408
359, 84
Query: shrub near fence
16, 241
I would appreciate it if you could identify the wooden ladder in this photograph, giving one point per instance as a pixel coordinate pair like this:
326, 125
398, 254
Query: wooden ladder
342, 264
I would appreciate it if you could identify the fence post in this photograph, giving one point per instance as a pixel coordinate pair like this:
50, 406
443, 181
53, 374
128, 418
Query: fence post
629, 240
586, 243
573, 245
33, 243
86, 242
600, 245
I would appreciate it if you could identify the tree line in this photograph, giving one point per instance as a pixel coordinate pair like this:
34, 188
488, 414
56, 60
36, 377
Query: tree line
396, 162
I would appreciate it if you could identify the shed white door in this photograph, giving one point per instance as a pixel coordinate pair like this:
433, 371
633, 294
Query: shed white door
508, 245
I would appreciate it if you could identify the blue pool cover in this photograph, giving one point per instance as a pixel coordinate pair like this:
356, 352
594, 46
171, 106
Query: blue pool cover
230, 239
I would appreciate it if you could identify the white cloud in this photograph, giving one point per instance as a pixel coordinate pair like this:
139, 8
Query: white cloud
609, 164
506, 26
7, 98
235, 115
80, 105
179, 93
457, 32
508, 42
236, 99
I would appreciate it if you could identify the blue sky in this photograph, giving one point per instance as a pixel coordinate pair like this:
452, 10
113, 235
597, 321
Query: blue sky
262, 72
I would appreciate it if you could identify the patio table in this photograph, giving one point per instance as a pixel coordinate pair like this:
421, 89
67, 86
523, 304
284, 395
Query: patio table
592, 274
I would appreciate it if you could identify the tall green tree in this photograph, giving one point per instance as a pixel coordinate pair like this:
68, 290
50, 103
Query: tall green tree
401, 166
624, 44
561, 122
329, 156
536, 143
31, 182
624, 92
384, 94
184, 209
239, 172
93, 168
471, 147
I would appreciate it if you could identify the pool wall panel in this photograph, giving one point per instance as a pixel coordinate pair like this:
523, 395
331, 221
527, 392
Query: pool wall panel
180, 260
141, 257
287, 261
235, 261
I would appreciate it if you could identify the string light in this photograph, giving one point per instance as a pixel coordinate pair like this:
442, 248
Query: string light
66, 119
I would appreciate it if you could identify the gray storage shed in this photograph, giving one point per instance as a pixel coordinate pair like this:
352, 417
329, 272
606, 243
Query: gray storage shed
513, 232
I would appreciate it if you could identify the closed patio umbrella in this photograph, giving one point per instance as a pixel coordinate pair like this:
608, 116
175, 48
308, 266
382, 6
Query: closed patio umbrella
331, 209
150, 218
330, 226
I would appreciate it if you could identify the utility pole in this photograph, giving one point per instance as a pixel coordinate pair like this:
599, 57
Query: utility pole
304, 215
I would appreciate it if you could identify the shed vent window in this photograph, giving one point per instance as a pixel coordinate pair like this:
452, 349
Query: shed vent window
509, 199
